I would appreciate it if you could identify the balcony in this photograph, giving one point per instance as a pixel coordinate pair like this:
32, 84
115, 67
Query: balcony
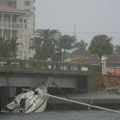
13, 25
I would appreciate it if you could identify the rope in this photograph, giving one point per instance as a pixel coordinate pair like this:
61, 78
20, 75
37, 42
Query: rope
81, 103
62, 92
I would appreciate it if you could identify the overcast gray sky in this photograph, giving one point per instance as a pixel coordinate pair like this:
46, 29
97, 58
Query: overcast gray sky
91, 17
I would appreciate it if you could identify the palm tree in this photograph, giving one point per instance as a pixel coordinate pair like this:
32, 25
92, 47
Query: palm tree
117, 50
44, 42
66, 42
80, 48
101, 45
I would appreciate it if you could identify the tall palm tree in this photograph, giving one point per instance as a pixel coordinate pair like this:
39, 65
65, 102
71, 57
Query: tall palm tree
44, 42
101, 45
66, 42
80, 48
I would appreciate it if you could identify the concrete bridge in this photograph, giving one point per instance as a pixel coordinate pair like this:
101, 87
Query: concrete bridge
30, 73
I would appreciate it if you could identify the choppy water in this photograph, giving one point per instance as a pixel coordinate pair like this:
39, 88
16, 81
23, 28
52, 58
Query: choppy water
63, 115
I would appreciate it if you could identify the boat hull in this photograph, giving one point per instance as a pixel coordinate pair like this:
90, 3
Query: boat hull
30, 101
39, 106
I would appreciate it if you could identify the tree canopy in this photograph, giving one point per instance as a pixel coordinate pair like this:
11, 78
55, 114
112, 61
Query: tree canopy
8, 48
66, 42
101, 45
52, 44
80, 48
117, 50
45, 42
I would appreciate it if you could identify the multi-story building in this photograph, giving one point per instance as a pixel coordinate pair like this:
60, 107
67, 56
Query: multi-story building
17, 19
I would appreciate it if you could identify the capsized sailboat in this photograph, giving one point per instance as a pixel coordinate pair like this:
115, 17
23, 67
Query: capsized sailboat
30, 101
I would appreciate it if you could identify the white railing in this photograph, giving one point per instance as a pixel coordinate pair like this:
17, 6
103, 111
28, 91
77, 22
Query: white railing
14, 25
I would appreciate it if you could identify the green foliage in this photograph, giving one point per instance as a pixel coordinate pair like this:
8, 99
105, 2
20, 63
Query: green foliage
80, 48
45, 43
101, 45
66, 42
8, 48
117, 50
13, 47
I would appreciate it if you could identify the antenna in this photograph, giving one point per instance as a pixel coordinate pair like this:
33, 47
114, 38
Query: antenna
74, 39
74, 30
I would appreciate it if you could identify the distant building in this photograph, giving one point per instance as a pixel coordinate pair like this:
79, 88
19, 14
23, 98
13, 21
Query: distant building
110, 62
113, 61
17, 19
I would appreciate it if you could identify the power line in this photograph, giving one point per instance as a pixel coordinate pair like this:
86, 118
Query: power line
92, 33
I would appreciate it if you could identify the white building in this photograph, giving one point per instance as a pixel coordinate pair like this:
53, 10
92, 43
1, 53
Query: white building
17, 19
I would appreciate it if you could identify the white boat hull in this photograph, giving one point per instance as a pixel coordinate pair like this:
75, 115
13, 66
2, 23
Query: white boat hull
39, 106
31, 101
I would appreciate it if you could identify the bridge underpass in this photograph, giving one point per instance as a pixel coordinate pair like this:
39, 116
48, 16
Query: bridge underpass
18, 74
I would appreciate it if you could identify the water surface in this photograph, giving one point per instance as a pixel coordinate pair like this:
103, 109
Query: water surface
63, 115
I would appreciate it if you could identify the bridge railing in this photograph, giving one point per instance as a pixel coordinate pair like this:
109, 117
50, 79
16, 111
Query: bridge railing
36, 66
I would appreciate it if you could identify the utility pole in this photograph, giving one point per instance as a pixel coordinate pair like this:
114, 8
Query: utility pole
74, 39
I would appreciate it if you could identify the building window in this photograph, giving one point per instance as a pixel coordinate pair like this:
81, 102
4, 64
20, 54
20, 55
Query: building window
27, 3
12, 3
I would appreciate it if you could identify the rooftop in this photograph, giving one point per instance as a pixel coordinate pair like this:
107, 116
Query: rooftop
11, 9
93, 59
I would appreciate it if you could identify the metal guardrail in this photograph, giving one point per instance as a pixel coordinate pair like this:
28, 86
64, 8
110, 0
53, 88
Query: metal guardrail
35, 66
